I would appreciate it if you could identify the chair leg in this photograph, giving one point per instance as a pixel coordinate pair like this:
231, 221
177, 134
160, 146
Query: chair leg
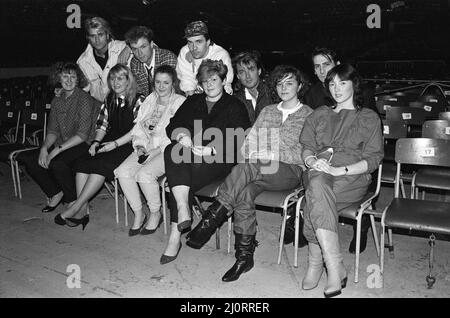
164, 207
13, 177
19, 187
358, 246
391, 244
297, 230
283, 227
230, 230
116, 200
382, 253
125, 209
375, 234
402, 186
423, 194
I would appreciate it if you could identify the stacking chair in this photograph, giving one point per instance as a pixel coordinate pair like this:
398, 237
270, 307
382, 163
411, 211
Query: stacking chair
10, 117
433, 105
412, 214
354, 212
432, 177
30, 118
273, 199
163, 185
391, 132
413, 117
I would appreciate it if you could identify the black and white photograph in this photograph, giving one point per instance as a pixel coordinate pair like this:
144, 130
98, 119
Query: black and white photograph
222, 156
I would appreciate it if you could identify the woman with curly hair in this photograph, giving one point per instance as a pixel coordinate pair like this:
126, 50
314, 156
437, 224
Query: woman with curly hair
204, 147
111, 145
69, 133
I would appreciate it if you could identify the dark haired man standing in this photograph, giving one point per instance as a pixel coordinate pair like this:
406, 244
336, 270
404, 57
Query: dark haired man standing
147, 56
198, 48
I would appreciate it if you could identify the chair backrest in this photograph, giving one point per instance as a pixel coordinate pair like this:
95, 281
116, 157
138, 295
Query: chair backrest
431, 104
420, 151
394, 129
383, 103
423, 151
408, 115
439, 129
444, 115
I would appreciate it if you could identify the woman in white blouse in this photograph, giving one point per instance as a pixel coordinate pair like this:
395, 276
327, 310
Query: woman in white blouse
146, 164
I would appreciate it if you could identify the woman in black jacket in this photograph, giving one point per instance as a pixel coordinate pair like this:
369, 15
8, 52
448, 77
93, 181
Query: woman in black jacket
206, 133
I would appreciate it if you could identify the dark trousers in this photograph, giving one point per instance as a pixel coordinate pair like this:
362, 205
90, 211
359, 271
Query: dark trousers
246, 181
60, 175
325, 196
190, 173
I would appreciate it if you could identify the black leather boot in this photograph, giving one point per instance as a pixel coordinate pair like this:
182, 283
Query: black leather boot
245, 247
214, 217
365, 226
289, 232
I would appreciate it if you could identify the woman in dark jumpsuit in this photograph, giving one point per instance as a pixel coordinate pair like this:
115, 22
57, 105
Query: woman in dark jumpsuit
354, 134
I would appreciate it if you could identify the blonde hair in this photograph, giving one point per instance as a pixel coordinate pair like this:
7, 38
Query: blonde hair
98, 22
130, 93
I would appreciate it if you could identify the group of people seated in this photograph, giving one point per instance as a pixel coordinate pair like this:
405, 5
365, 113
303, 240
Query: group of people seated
135, 112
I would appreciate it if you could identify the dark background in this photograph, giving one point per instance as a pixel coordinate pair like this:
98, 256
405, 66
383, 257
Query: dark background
34, 32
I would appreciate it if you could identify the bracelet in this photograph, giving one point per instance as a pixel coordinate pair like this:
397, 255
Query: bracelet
116, 144
306, 160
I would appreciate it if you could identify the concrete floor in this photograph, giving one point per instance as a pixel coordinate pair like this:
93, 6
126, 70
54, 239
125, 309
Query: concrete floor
35, 255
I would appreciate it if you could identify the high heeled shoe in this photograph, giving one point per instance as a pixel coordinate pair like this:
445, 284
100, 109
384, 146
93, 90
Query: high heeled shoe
184, 225
145, 231
48, 208
339, 291
167, 259
83, 221
133, 232
59, 220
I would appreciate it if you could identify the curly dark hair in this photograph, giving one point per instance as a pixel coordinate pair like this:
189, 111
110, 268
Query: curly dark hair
67, 67
346, 72
135, 33
211, 67
280, 72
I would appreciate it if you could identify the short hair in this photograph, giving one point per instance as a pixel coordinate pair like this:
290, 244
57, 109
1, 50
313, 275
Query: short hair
169, 70
326, 52
135, 33
130, 93
67, 67
98, 22
280, 72
211, 67
245, 58
346, 72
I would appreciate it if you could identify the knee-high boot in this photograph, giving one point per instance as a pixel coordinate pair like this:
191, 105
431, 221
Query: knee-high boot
245, 247
336, 273
214, 217
315, 267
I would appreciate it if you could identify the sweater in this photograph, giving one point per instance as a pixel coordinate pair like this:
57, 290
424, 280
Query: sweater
187, 67
216, 128
282, 139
